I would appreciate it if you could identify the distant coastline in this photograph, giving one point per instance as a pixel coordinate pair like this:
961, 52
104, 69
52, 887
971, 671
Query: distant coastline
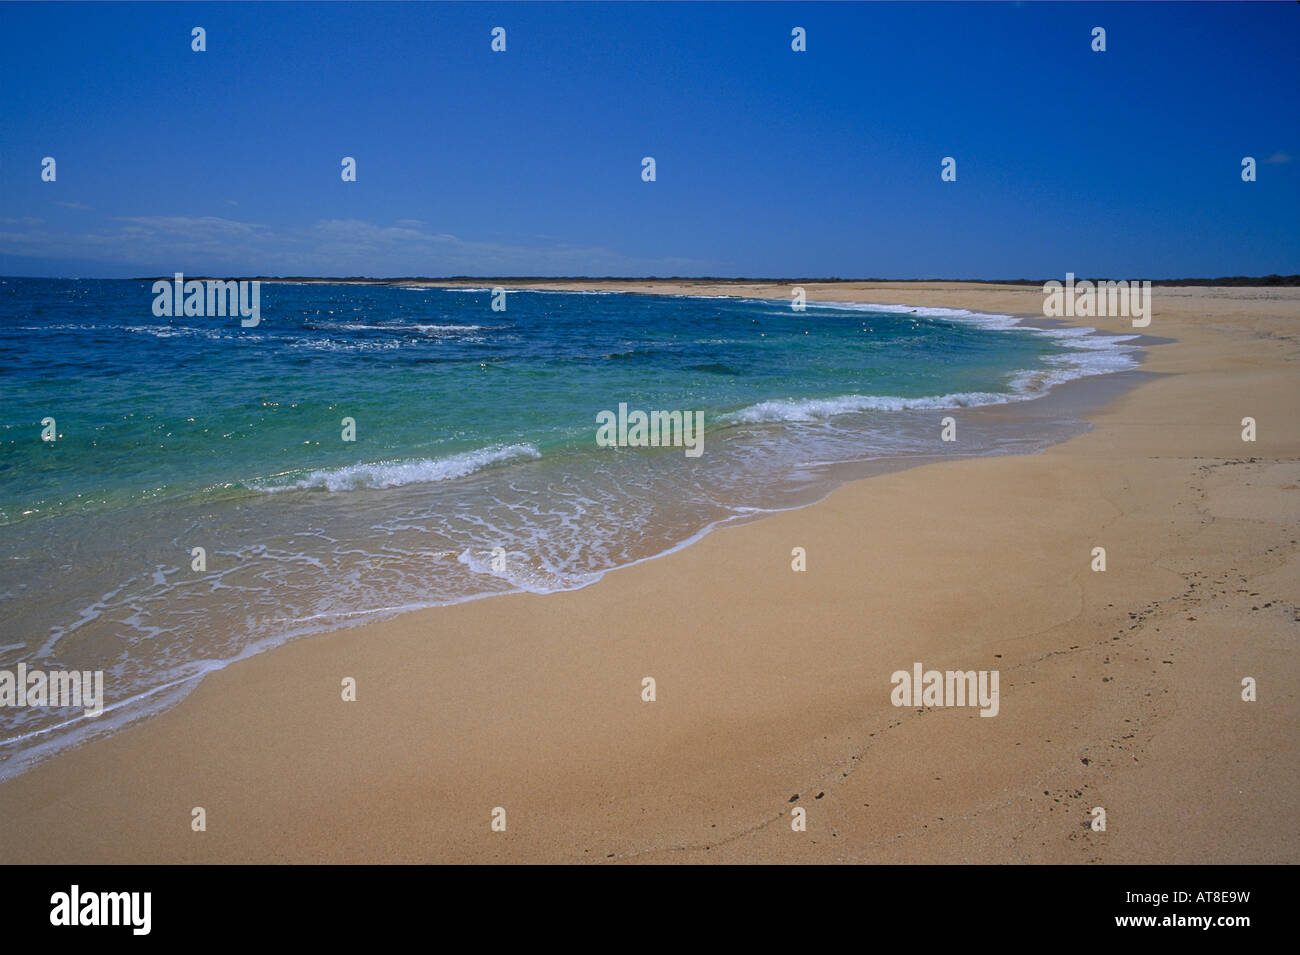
1265, 281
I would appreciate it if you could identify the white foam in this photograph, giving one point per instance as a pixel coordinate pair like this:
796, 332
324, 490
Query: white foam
328, 344
560, 291
1091, 353
528, 573
812, 409
384, 474
983, 319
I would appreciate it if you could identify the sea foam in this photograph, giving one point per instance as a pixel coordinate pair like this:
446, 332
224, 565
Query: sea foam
383, 474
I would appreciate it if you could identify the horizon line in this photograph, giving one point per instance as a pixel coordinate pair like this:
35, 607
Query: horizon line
1272, 279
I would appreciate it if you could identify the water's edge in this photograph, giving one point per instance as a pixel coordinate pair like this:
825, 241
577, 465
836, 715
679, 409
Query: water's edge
1074, 400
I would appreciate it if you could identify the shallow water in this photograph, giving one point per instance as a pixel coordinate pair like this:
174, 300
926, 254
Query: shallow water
475, 469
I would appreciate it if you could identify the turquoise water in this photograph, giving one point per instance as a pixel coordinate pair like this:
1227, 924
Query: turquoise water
474, 468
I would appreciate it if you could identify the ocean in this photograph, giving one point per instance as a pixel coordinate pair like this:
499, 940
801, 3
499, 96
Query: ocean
473, 468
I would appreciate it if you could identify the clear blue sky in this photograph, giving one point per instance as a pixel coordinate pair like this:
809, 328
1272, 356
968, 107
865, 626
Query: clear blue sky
770, 162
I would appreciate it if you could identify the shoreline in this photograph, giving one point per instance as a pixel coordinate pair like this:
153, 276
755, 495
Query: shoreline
1066, 402
518, 722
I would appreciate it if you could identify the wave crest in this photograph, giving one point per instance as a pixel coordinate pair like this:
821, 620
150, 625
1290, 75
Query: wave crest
383, 474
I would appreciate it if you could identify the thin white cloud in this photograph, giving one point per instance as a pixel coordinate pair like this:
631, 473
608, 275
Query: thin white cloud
216, 245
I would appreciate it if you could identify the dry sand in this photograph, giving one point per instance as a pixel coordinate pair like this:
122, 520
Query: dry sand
1119, 689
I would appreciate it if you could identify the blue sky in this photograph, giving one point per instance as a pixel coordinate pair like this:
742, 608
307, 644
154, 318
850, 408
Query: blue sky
769, 162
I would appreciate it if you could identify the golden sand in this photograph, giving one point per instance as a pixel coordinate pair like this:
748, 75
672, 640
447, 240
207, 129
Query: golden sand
1120, 690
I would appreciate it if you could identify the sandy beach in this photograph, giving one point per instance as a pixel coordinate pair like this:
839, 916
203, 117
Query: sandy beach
1119, 689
